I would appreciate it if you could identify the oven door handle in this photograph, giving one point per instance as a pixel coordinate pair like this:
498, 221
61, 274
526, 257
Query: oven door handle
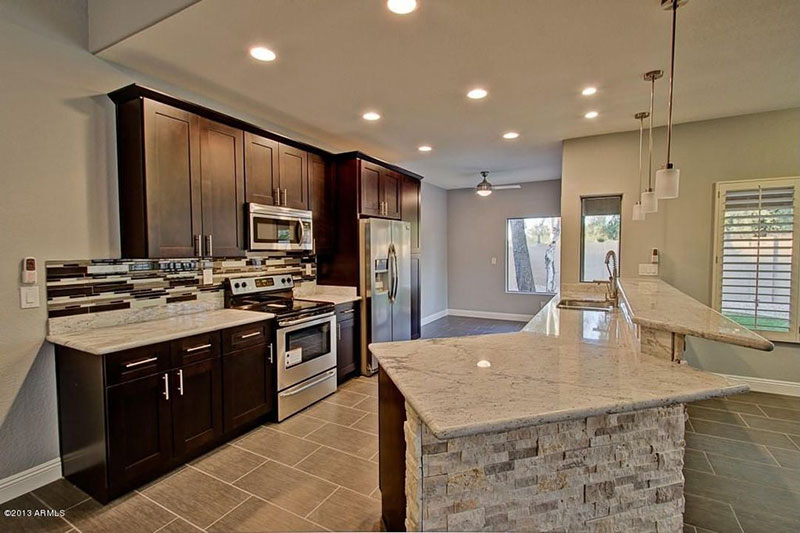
287, 323
324, 377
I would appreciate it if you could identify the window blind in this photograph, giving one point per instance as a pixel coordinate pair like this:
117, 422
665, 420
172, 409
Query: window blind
756, 255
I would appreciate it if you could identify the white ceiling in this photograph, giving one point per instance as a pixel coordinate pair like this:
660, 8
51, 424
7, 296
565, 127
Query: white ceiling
338, 58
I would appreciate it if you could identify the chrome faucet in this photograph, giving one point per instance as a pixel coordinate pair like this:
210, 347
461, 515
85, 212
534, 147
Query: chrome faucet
613, 273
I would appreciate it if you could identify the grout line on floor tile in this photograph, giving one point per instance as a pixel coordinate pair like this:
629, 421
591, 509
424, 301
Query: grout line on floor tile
226, 514
176, 515
710, 464
733, 511
323, 528
359, 420
249, 471
165, 525
54, 509
323, 501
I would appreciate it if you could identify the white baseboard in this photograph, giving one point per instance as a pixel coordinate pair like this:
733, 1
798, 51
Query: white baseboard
773, 386
30, 479
489, 314
435, 316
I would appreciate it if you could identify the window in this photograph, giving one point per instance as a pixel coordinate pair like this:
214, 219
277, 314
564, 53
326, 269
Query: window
533, 254
756, 255
600, 232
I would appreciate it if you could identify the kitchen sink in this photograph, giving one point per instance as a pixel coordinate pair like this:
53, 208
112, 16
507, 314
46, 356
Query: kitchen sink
587, 305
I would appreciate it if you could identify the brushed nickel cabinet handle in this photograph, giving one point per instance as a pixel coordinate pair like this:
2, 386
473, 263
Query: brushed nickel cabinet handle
195, 348
140, 363
270, 353
276, 196
250, 335
165, 377
338, 332
209, 245
285, 197
198, 247
180, 381
348, 312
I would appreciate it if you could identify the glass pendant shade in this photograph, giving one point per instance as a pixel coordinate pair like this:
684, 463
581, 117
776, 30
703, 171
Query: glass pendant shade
668, 183
638, 212
649, 201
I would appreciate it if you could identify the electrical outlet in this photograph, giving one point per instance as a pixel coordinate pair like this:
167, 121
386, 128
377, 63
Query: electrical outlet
648, 269
494, 260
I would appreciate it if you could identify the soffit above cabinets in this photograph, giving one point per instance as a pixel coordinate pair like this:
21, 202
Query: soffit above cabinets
336, 60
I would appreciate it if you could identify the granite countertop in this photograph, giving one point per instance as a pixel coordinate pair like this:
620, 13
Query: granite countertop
564, 364
658, 305
111, 339
331, 293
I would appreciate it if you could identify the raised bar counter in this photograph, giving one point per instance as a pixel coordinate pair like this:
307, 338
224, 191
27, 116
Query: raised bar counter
566, 424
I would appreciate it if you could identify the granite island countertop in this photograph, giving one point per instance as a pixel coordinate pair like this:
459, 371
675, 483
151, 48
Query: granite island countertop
565, 364
101, 341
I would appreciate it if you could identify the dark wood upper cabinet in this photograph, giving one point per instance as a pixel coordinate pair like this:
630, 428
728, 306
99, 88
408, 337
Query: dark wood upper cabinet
139, 428
197, 406
410, 210
391, 193
319, 201
262, 174
293, 177
222, 179
162, 216
370, 187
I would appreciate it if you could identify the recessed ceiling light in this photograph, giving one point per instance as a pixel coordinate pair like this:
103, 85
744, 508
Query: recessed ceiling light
424, 148
589, 91
262, 54
591, 114
510, 135
401, 7
371, 115
477, 93
483, 363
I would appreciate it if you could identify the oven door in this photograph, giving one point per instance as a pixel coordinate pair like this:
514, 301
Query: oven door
306, 347
279, 232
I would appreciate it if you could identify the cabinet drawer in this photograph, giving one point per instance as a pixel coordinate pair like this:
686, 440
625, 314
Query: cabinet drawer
195, 348
346, 311
136, 363
243, 336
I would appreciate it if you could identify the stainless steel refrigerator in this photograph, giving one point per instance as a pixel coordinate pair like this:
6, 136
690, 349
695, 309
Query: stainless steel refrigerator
385, 278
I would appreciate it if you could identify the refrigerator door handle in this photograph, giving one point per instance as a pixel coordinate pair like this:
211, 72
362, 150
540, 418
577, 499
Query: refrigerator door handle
392, 272
395, 273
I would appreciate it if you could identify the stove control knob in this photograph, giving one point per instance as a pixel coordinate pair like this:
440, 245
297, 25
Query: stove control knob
287, 280
244, 284
235, 285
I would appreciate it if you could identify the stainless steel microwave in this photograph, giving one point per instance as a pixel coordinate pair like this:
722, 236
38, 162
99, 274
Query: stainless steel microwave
279, 228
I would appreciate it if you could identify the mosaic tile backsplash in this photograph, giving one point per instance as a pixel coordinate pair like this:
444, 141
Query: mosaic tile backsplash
91, 293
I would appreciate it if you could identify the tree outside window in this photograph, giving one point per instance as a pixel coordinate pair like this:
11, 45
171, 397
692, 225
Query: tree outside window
600, 232
533, 255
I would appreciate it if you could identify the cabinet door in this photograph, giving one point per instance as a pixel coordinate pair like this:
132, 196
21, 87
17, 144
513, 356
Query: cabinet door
416, 311
410, 209
370, 186
294, 177
247, 377
196, 406
261, 169
139, 429
319, 203
222, 177
390, 193
172, 170
345, 348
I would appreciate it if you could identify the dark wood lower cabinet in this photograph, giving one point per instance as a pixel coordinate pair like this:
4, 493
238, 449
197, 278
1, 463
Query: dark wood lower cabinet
392, 451
248, 383
196, 406
348, 350
121, 429
139, 430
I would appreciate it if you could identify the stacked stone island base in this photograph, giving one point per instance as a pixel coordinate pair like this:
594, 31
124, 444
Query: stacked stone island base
614, 472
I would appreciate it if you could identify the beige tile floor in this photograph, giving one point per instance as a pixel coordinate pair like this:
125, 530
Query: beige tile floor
316, 471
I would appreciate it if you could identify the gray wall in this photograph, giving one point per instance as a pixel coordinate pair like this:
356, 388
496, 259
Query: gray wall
476, 233
434, 250
744, 147
58, 195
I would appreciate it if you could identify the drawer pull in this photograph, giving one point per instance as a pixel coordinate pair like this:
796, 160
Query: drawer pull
180, 381
348, 312
142, 362
255, 333
165, 377
195, 348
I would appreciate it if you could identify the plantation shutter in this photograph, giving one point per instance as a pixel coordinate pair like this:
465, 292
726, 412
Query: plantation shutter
757, 255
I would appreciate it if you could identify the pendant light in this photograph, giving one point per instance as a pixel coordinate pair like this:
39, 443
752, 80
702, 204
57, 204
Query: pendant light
668, 178
484, 188
649, 199
638, 212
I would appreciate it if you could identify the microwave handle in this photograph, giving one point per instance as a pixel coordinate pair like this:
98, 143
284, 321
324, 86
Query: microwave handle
301, 232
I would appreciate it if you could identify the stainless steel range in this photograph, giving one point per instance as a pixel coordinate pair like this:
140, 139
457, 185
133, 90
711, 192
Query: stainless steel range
304, 338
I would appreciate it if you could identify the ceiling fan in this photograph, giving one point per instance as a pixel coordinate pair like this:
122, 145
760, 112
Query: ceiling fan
485, 188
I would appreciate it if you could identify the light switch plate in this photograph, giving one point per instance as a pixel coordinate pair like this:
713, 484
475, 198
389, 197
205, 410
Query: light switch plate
29, 297
208, 276
648, 269
494, 260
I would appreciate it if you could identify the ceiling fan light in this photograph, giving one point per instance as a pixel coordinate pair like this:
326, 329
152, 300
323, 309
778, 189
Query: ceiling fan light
484, 192
638, 212
484, 188
649, 201
668, 182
